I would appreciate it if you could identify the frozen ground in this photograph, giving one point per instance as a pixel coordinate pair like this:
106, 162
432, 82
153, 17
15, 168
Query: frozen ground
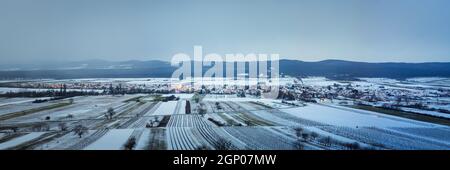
237, 122
10, 101
20, 140
166, 108
82, 107
21, 106
113, 140
340, 116
433, 113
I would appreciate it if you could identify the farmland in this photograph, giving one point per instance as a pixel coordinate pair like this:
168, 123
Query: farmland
181, 121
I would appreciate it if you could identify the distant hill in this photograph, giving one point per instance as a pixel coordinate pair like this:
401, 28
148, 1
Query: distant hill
337, 69
87, 64
340, 68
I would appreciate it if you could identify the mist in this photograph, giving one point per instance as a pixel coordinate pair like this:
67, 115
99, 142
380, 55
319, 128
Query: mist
118, 30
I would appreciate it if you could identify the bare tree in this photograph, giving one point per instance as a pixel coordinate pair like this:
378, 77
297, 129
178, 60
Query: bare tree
223, 144
326, 141
196, 97
218, 106
299, 145
305, 136
398, 100
148, 125
202, 111
69, 116
131, 143
314, 135
248, 122
62, 126
353, 146
110, 113
298, 131
36, 127
202, 147
14, 129
40, 127
80, 130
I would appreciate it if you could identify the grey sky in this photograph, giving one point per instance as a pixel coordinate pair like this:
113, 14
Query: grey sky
361, 30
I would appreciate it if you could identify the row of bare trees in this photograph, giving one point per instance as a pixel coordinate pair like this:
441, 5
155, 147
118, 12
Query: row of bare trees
304, 136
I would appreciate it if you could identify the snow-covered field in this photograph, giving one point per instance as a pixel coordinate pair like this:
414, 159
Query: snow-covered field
426, 112
115, 122
166, 108
83, 107
113, 140
340, 116
18, 100
20, 140
260, 128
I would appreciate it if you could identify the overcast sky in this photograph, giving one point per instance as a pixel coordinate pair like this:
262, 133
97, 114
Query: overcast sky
359, 30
